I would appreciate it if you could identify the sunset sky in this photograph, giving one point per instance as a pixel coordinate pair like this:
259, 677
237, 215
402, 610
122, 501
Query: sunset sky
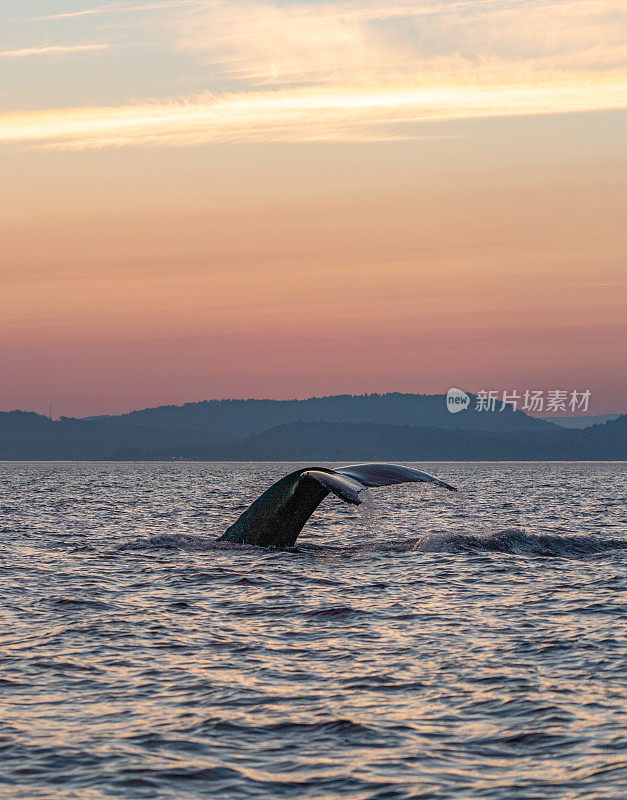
252, 199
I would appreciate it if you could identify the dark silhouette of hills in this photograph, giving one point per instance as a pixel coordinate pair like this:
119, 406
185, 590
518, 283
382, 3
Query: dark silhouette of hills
581, 422
226, 420
320, 441
25, 435
364, 427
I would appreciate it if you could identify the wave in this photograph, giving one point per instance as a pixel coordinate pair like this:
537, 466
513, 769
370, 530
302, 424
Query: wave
181, 541
514, 541
511, 541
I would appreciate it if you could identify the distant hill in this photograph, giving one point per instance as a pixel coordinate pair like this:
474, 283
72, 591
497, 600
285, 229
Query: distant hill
581, 422
319, 441
24, 435
375, 427
226, 420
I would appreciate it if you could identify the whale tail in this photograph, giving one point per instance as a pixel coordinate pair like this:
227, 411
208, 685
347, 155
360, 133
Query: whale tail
280, 513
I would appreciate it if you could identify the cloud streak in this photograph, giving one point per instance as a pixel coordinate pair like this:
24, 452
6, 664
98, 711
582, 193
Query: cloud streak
305, 114
116, 8
52, 50
72, 14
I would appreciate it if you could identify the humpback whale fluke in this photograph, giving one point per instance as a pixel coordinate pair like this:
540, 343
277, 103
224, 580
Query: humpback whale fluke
279, 514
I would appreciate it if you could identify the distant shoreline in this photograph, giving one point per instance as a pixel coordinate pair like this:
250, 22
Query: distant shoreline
388, 427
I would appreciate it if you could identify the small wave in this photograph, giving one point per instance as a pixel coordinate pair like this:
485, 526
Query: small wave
340, 726
64, 601
177, 541
328, 727
518, 542
333, 612
537, 742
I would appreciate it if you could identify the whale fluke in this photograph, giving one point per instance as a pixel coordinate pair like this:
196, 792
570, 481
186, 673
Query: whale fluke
279, 514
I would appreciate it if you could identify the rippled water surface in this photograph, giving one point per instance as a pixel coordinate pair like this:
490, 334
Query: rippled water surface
428, 645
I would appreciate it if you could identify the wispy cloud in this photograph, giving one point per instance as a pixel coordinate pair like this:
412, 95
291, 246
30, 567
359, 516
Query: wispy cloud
304, 114
356, 70
118, 8
72, 14
351, 40
52, 50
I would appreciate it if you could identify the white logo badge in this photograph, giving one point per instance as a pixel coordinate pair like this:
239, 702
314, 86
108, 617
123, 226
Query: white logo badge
456, 400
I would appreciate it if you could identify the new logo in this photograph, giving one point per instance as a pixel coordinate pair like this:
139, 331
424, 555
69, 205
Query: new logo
456, 400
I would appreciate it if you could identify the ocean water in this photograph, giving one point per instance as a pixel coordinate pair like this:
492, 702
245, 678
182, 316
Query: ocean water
427, 645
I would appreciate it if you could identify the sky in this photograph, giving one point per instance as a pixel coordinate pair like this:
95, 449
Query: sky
205, 199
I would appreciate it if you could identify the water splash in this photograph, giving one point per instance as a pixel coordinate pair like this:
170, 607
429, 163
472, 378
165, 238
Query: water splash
370, 515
